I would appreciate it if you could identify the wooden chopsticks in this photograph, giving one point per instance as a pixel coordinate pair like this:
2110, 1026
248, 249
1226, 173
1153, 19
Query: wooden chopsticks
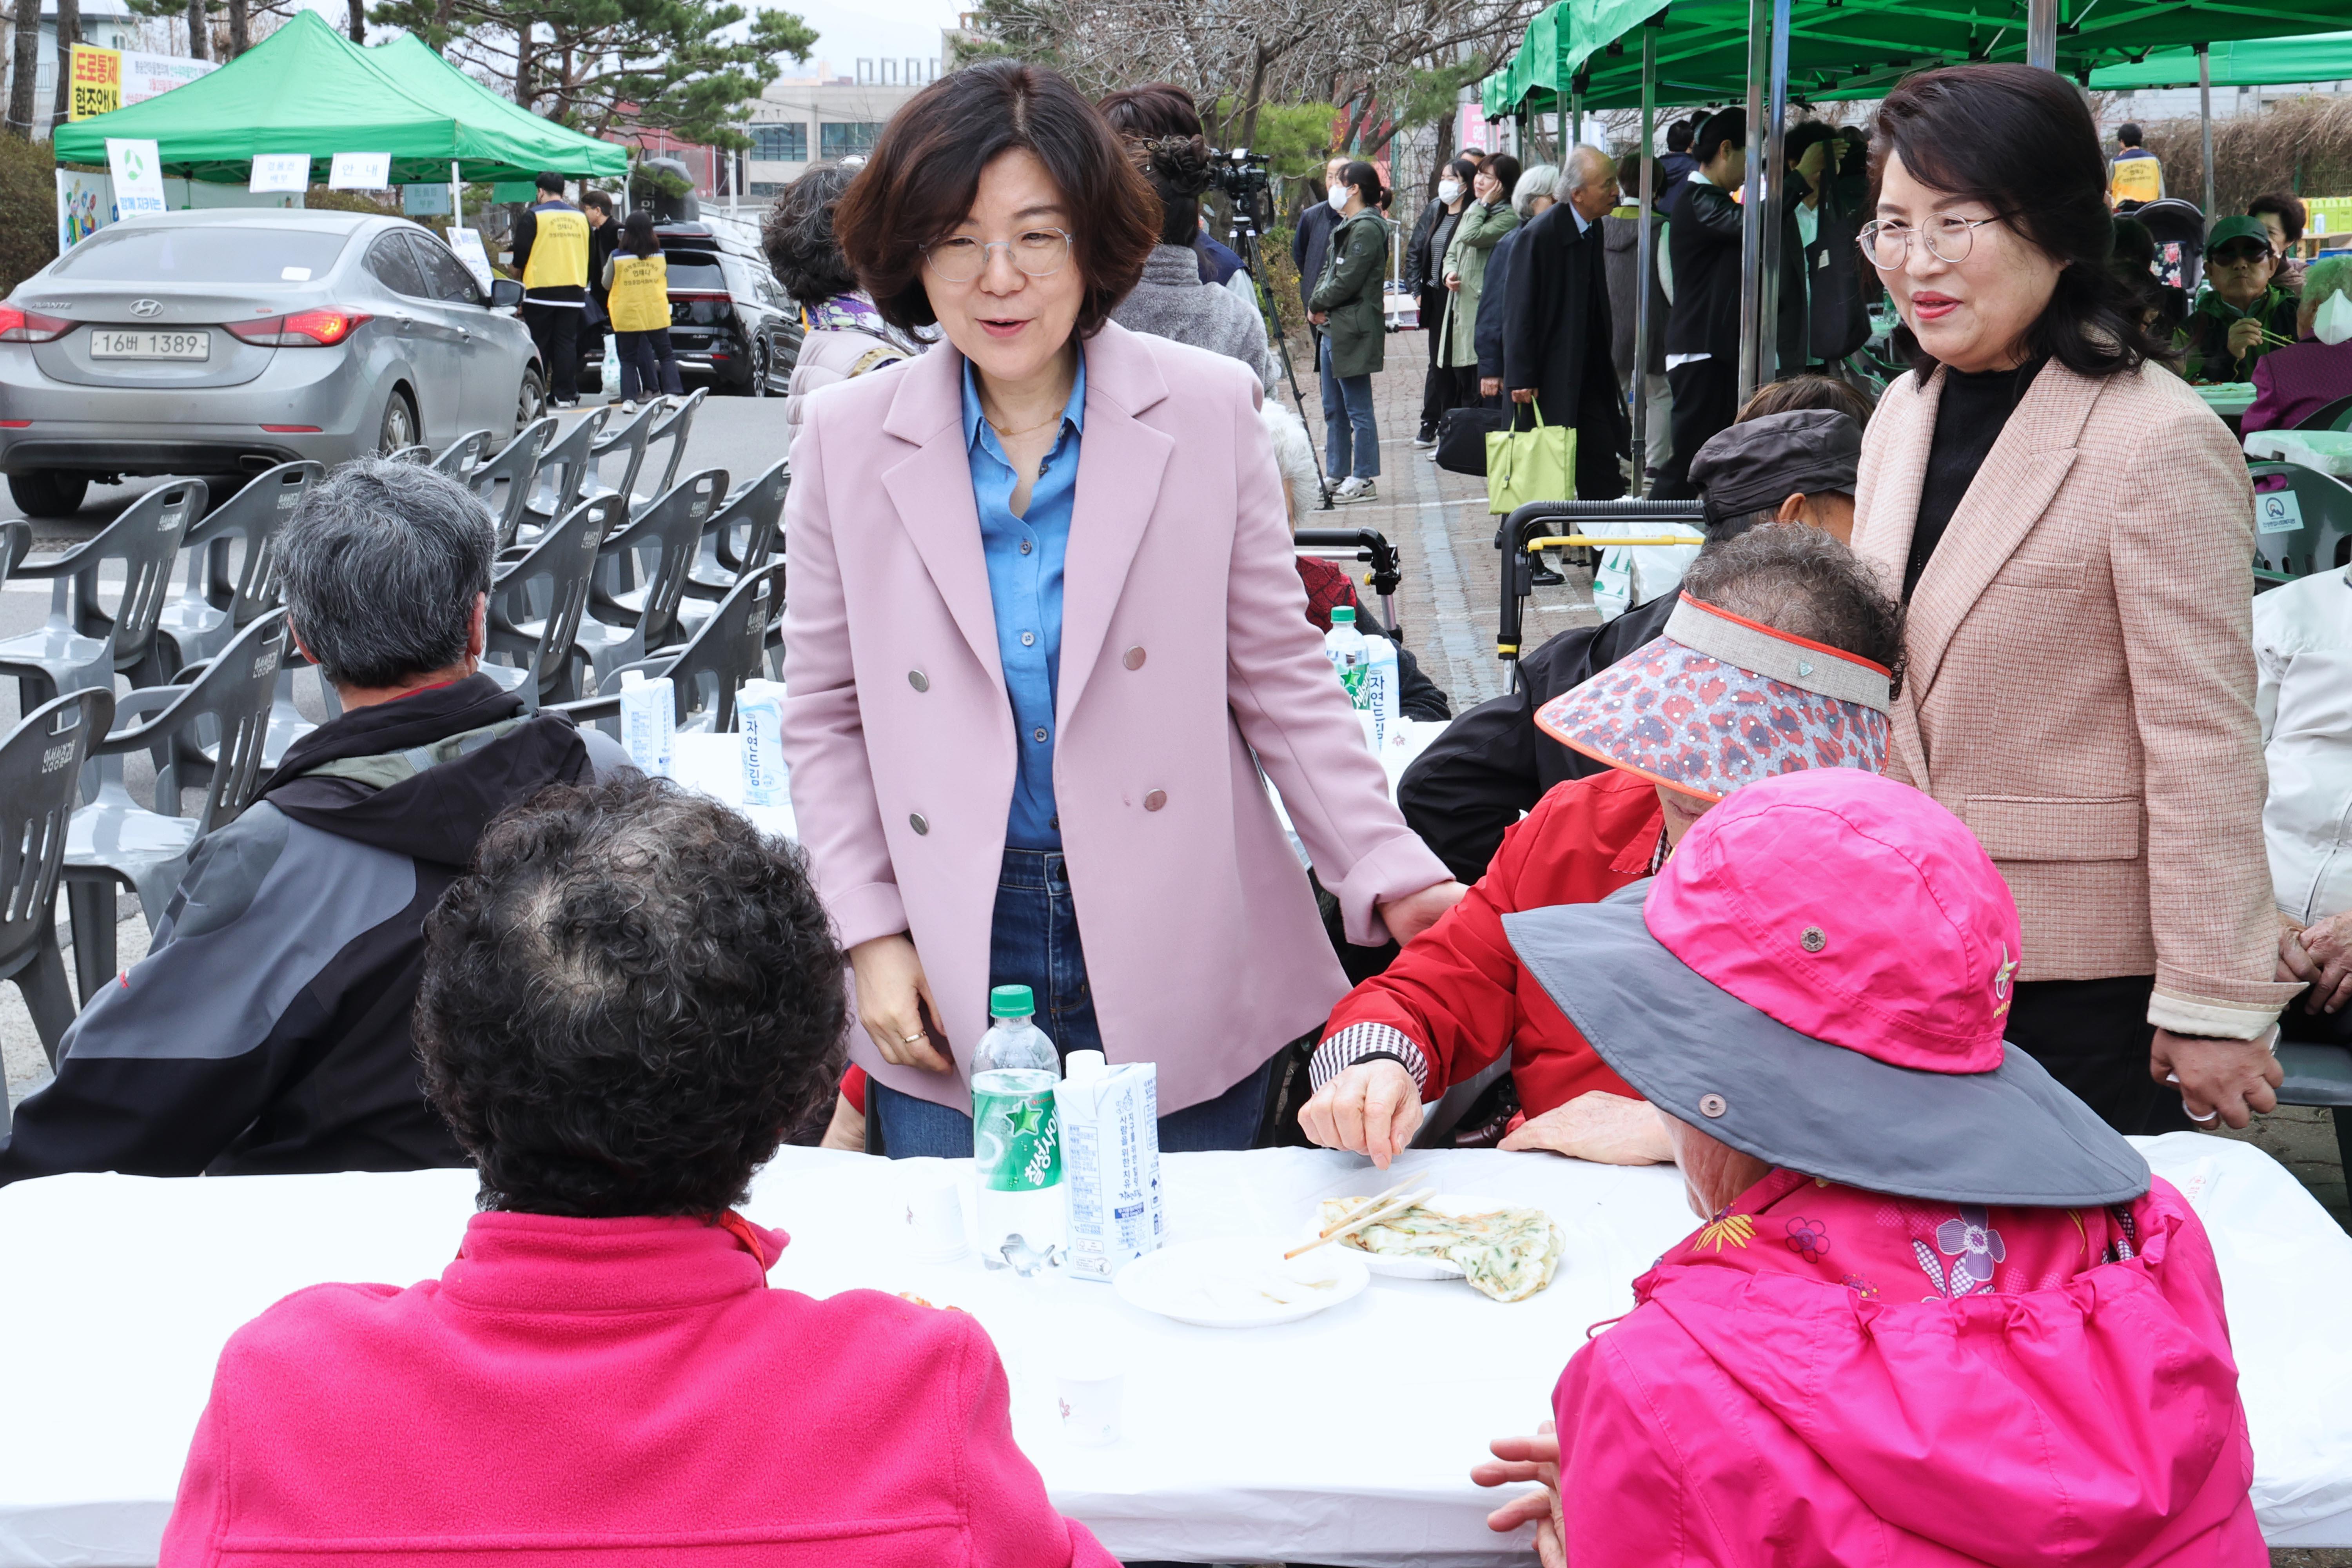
1383, 1206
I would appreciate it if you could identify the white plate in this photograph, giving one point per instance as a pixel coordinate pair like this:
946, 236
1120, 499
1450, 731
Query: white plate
1211, 1282
1394, 1268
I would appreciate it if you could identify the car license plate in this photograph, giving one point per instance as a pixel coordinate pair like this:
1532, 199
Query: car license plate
107, 343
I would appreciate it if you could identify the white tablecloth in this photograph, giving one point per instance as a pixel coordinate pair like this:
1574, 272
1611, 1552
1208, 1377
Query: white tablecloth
1343, 1440
2228, 399
2329, 451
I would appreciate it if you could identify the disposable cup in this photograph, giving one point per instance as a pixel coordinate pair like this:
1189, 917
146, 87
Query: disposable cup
931, 1210
1090, 1393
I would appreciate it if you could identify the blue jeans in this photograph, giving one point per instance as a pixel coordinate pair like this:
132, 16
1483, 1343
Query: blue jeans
1348, 413
1034, 943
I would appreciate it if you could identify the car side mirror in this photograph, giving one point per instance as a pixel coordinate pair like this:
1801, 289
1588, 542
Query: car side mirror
506, 294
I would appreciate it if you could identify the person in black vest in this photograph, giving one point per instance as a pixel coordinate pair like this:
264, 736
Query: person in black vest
1703, 333
1556, 328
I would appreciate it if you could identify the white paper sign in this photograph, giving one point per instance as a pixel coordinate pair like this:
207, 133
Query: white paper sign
361, 171
138, 171
467, 244
152, 76
2277, 512
281, 172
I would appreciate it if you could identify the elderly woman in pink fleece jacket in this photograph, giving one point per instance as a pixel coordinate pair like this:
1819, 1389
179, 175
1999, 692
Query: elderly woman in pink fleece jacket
623, 1006
1939, 1313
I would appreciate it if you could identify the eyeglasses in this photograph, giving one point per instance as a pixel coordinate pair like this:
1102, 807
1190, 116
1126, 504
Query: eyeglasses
1949, 240
1037, 252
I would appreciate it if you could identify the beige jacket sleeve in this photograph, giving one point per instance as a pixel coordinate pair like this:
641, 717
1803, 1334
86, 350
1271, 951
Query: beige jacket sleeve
2183, 536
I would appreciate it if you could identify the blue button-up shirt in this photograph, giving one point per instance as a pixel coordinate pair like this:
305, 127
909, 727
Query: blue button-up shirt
1024, 583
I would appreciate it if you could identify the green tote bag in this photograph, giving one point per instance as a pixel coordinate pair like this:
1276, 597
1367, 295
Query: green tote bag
1530, 465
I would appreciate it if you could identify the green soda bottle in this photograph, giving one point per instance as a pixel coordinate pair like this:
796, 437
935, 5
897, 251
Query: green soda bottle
1016, 1139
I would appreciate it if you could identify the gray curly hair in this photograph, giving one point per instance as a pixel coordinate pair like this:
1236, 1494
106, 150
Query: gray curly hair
797, 234
1537, 183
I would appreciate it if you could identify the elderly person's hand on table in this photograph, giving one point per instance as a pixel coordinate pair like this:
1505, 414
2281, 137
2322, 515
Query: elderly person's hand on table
1604, 1128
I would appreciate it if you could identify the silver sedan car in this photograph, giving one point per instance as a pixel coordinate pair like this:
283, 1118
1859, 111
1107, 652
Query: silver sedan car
225, 342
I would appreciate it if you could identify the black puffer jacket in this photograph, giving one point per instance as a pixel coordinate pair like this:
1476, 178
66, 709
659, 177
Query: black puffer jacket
266, 1031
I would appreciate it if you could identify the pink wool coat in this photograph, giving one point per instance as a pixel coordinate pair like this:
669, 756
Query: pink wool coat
1825, 1376
1187, 665
626, 1392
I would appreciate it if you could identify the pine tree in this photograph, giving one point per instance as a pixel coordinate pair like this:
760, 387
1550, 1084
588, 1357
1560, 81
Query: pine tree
686, 67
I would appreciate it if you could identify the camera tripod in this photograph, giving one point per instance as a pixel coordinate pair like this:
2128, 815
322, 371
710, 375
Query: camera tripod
1246, 218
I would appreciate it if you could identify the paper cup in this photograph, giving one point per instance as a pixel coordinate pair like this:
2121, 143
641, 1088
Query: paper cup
930, 1200
1090, 1392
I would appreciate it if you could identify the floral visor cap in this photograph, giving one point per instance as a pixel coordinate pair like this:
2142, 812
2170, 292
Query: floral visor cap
1718, 701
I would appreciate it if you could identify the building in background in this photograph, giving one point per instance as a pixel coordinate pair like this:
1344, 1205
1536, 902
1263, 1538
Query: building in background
798, 121
109, 25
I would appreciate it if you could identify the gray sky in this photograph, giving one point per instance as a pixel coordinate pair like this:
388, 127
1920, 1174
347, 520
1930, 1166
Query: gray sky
848, 30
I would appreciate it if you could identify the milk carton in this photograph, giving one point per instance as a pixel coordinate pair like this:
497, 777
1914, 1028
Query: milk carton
759, 716
648, 714
1110, 1142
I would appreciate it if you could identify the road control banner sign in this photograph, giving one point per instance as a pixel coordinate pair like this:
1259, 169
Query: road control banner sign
96, 84
103, 80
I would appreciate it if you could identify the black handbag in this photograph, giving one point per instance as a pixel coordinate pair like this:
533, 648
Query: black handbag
1462, 439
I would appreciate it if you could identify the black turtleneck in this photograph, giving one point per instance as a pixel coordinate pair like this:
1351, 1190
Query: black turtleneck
1975, 405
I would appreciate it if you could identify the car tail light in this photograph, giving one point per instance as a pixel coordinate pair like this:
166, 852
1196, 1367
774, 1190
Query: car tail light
26, 327
291, 429
322, 327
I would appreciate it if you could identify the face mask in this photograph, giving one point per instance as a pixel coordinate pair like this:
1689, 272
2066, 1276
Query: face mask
1339, 198
1449, 191
2332, 322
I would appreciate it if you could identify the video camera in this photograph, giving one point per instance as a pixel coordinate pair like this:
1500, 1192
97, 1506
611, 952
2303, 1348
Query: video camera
1241, 174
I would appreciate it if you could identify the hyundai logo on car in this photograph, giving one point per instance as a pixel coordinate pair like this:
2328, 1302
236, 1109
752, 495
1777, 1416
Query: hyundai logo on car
146, 307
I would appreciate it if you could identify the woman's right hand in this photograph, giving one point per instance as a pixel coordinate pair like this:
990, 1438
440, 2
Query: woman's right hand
894, 1003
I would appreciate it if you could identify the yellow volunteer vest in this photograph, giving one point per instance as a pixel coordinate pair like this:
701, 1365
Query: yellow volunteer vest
559, 255
639, 301
2137, 180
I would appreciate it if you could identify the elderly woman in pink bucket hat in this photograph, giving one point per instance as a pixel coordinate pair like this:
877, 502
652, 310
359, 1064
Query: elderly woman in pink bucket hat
1938, 1311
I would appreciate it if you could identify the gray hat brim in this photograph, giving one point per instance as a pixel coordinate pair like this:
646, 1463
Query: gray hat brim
2013, 1136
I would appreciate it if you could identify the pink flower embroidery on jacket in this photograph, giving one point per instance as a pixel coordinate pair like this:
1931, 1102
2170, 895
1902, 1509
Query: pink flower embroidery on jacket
1870, 1241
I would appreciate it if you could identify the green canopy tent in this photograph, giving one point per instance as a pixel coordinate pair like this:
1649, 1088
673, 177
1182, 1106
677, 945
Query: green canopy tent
307, 89
1577, 54
1859, 48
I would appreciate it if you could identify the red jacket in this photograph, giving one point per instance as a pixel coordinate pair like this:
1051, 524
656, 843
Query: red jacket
1460, 993
624, 1392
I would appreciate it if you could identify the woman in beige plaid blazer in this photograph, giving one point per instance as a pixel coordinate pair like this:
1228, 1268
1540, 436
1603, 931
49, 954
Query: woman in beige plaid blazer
2071, 529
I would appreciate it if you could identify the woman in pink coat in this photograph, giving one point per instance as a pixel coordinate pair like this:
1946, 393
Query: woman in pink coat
623, 1006
1939, 1312
1044, 633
